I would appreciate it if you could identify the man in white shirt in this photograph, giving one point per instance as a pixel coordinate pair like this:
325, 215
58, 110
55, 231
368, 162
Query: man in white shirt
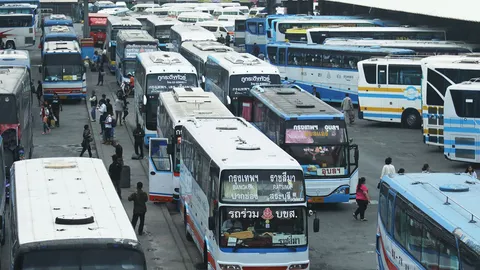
232, 225
108, 129
102, 110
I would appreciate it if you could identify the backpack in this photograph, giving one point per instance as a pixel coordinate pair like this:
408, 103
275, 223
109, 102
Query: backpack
114, 122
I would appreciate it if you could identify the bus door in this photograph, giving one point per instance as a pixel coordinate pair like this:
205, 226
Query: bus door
160, 177
387, 103
353, 169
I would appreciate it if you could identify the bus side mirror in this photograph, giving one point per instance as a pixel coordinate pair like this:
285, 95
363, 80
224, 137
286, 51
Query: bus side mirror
170, 148
316, 225
211, 223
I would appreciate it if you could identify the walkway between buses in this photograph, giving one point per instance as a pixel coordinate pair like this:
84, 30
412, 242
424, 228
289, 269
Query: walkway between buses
162, 243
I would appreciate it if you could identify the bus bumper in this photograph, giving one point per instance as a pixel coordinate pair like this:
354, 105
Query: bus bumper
340, 195
67, 96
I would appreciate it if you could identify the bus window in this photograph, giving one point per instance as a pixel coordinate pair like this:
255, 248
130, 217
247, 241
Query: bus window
370, 73
252, 27
382, 74
261, 29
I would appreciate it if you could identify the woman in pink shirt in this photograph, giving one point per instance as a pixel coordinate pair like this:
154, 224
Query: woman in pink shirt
362, 199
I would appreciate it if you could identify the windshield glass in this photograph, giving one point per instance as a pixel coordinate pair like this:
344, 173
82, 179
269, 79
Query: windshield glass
254, 227
128, 67
60, 38
319, 147
157, 83
102, 29
8, 110
83, 259
240, 85
162, 33
230, 28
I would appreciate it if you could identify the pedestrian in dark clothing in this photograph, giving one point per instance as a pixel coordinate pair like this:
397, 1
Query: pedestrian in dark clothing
140, 199
56, 107
256, 49
109, 107
139, 134
119, 153
101, 73
227, 40
221, 39
39, 92
115, 172
93, 104
87, 139
104, 57
32, 86
104, 99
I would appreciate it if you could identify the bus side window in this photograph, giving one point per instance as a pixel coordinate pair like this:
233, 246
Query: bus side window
252, 27
382, 74
281, 56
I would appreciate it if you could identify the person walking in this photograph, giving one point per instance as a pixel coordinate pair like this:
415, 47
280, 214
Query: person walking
87, 139
103, 99
115, 172
426, 168
227, 40
119, 110
46, 128
109, 107
101, 73
139, 199
363, 199
347, 107
471, 171
56, 107
108, 129
93, 104
39, 92
139, 134
387, 169
102, 110
119, 153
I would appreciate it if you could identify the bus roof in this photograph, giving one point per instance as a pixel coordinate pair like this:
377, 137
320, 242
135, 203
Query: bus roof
374, 49
373, 29
185, 103
434, 44
395, 59
134, 35
472, 59
429, 191
235, 144
200, 15
123, 21
190, 32
205, 48
15, 58
165, 62
155, 20
10, 77
97, 15
61, 47
243, 63
61, 30
50, 188
57, 19
289, 101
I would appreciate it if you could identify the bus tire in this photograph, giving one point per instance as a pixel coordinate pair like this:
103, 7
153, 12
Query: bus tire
187, 234
411, 118
10, 45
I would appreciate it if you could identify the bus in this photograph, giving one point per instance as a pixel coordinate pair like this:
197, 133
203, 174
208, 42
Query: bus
332, 70
15, 58
197, 53
421, 47
461, 112
57, 33
174, 108
242, 198
312, 132
129, 44
194, 17
21, 8
428, 221
438, 73
159, 28
97, 23
231, 75
114, 24
187, 32
18, 30
389, 90
16, 115
63, 70
77, 223
318, 35
239, 32
157, 72
56, 19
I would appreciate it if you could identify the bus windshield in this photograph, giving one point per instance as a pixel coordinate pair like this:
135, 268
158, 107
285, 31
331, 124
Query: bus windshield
164, 82
62, 67
319, 147
60, 38
83, 259
241, 84
162, 33
128, 67
260, 227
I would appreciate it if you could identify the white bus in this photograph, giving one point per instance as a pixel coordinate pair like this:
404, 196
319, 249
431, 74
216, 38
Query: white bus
18, 30
157, 72
114, 24
66, 214
194, 17
186, 32
197, 53
438, 73
174, 108
159, 28
231, 75
219, 28
389, 90
242, 197
144, 6
228, 11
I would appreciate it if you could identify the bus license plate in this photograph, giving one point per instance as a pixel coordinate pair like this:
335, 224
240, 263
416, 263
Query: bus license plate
63, 97
317, 200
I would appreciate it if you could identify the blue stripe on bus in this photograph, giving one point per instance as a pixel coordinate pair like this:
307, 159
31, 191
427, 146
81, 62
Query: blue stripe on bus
158, 193
382, 115
462, 121
461, 129
453, 142
453, 150
375, 95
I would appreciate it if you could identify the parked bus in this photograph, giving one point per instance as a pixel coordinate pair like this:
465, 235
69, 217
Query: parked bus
185, 32
158, 72
56, 19
21, 8
231, 75
63, 70
428, 221
159, 28
174, 109
15, 58
57, 33
219, 28
16, 115
438, 73
389, 90
312, 132
246, 179
129, 44
197, 53
79, 219
239, 32
97, 23
114, 24
20, 29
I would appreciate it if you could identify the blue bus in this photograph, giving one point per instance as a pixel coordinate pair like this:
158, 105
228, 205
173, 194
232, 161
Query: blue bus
332, 70
312, 132
428, 221
56, 19
58, 33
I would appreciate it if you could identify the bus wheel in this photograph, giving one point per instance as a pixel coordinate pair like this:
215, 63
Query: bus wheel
411, 118
10, 45
187, 234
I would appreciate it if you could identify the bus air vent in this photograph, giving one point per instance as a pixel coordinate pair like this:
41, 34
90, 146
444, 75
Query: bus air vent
60, 165
248, 147
285, 92
305, 106
188, 89
58, 17
226, 128
454, 188
59, 28
74, 220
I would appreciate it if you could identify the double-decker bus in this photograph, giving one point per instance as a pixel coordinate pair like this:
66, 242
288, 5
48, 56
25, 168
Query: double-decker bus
197, 53
175, 108
186, 32
389, 90
242, 197
17, 30
129, 44
97, 23
57, 33
56, 19
312, 132
428, 221
114, 24
158, 72
77, 223
332, 70
16, 116
159, 28
438, 73
63, 70
231, 75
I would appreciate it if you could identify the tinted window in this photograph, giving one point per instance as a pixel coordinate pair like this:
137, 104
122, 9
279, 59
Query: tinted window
252, 27
370, 72
383, 205
414, 236
62, 59
240, 26
404, 75
281, 56
272, 55
382, 74
466, 103
470, 260
19, 21
400, 224
261, 29
8, 110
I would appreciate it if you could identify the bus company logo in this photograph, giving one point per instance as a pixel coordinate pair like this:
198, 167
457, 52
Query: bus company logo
305, 127
331, 127
265, 79
172, 77
348, 78
411, 93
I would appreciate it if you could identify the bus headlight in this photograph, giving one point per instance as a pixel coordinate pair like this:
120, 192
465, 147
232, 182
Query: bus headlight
298, 266
229, 267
